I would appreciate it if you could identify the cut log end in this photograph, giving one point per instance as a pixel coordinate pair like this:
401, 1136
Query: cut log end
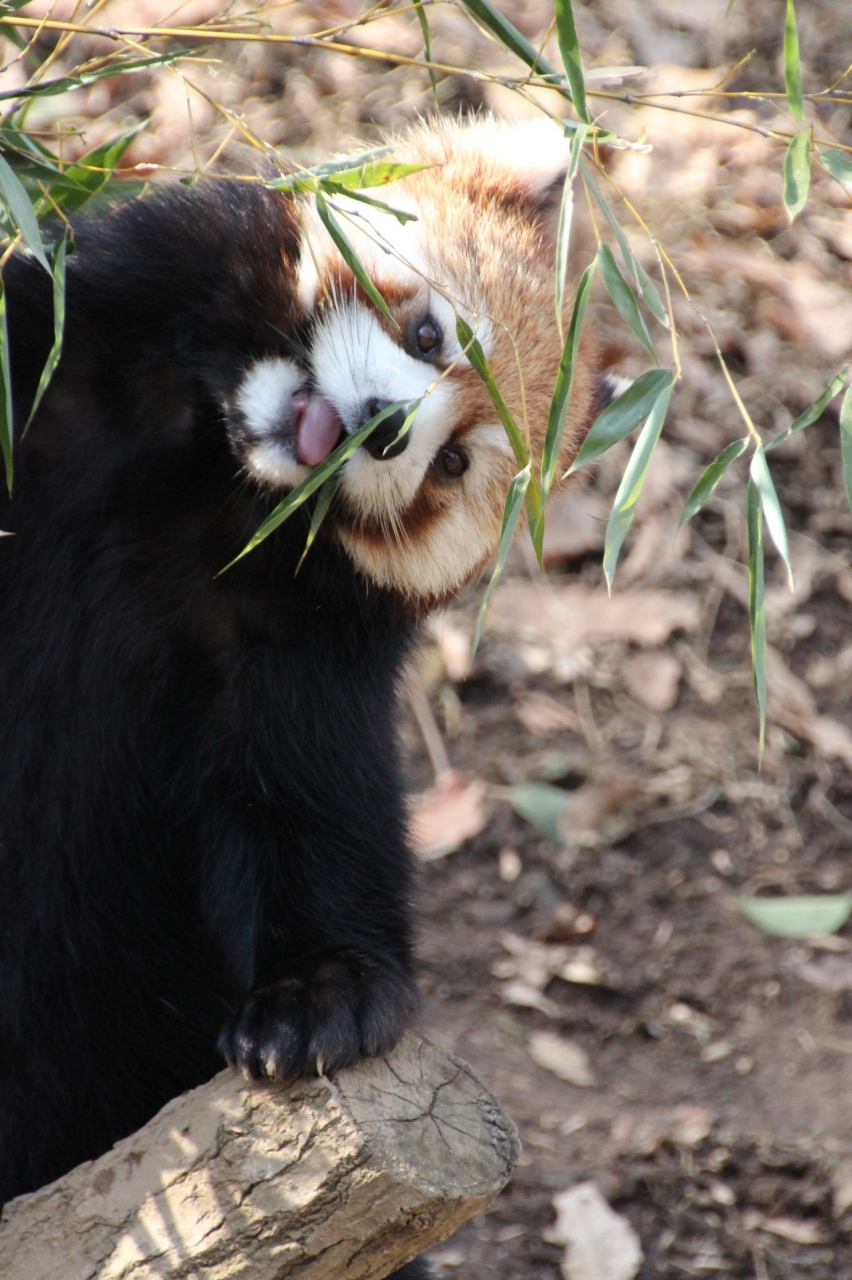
324, 1179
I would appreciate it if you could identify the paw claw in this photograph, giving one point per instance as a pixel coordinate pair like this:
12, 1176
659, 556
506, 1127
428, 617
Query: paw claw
334, 1008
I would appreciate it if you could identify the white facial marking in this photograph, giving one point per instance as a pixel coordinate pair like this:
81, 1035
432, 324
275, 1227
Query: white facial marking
265, 393
355, 360
264, 399
272, 462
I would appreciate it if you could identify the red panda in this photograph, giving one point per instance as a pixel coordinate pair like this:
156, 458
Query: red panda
421, 515
203, 839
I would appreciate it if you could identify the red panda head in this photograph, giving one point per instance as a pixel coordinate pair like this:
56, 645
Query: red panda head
421, 515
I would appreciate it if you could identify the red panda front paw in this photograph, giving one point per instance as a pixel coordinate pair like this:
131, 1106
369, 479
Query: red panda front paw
332, 1009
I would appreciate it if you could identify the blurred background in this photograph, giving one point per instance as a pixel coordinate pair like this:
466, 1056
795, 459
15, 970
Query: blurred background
587, 799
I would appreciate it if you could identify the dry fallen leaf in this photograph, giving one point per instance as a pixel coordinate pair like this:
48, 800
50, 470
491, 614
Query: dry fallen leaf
797, 1230
569, 616
541, 714
564, 1058
450, 812
601, 1244
593, 806
642, 1132
652, 679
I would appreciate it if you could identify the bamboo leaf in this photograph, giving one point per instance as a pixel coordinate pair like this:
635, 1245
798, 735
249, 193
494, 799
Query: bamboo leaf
619, 418
21, 212
564, 384
792, 63
64, 84
569, 47
757, 604
624, 506
709, 478
797, 174
846, 442
759, 473
346, 165
319, 513
624, 298
810, 415
632, 264
800, 916
58, 327
563, 230
350, 257
515, 499
427, 45
80, 181
330, 186
317, 477
472, 348
541, 805
838, 164
535, 504
510, 36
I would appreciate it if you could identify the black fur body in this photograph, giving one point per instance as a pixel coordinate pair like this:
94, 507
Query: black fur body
202, 831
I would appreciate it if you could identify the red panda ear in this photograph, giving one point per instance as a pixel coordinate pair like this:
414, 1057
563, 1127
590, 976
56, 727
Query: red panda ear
523, 163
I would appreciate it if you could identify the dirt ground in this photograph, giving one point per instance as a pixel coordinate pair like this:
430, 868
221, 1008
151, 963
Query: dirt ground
712, 1103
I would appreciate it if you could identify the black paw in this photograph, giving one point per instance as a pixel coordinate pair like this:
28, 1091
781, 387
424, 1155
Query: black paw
330, 1010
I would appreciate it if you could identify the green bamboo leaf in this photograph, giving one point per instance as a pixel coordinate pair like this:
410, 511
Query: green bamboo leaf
623, 297
515, 499
318, 476
59, 257
801, 916
510, 36
759, 473
810, 415
535, 506
710, 477
838, 164
350, 257
373, 174
319, 513
757, 603
345, 166
472, 348
797, 174
631, 262
21, 212
406, 426
563, 230
5, 391
332, 188
792, 63
731, 4
846, 442
82, 180
619, 418
624, 506
64, 84
541, 806
427, 45
569, 47
564, 384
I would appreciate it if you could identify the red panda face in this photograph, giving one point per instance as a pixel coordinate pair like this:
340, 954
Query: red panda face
421, 515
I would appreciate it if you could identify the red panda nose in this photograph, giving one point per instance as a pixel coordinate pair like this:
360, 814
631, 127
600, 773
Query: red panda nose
383, 442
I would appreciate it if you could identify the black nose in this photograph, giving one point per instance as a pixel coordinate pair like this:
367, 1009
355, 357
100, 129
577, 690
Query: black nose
381, 443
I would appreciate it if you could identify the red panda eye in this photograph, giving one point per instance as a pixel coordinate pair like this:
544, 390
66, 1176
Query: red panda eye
453, 462
427, 335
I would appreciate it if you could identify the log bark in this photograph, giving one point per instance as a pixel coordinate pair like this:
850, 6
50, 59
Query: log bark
321, 1179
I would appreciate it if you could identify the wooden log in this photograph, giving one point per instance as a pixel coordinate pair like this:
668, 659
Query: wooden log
324, 1179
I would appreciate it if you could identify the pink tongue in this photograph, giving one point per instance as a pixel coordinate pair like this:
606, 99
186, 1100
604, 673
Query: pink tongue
317, 432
